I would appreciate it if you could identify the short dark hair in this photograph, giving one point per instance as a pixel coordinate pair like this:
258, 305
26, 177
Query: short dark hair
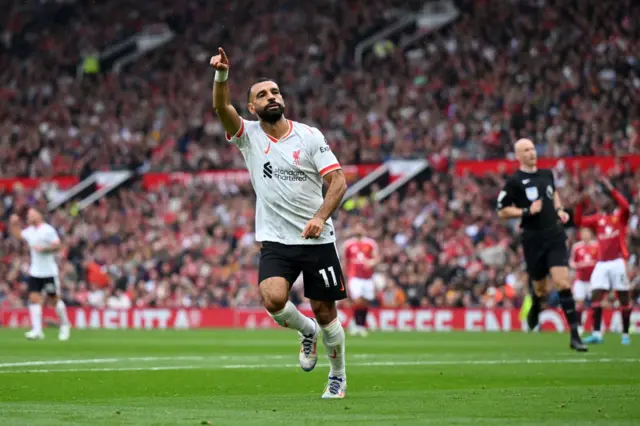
260, 80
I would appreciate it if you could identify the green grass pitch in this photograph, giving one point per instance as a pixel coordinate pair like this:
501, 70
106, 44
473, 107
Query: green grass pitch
228, 377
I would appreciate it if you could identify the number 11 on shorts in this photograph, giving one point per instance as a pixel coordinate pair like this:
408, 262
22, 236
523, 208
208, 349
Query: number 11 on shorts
323, 272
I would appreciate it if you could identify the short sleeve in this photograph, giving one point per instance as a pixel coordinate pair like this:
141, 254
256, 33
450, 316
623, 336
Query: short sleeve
25, 234
506, 197
323, 158
241, 138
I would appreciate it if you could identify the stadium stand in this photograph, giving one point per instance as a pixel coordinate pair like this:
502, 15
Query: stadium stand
501, 71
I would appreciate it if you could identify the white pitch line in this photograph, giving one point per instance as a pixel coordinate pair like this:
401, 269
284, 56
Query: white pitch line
78, 370
147, 358
98, 361
450, 362
351, 364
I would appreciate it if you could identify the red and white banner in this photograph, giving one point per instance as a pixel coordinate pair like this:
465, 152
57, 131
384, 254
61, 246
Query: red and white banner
479, 168
152, 181
474, 320
352, 172
63, 182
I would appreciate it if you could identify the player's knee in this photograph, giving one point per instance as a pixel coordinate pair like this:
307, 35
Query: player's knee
274, 302
324, 311
540, 287
560, 278
35, 298
275, 293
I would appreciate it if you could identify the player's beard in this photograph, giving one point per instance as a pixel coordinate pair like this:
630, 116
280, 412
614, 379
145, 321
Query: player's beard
271, 116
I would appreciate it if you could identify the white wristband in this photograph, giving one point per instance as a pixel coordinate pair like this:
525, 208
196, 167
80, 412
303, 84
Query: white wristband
221, 76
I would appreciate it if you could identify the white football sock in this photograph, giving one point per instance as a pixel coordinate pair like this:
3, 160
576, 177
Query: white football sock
35, 314
334, 342
598, 334
61, 310
291, 317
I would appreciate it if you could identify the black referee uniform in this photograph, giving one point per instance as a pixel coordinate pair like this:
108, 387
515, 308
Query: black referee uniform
544, 241
543, 236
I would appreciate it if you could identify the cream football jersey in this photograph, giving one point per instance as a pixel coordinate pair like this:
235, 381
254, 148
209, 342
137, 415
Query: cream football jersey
43, 265
287, 177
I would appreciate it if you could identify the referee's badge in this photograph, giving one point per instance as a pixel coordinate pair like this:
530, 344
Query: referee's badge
532, 193
549, 192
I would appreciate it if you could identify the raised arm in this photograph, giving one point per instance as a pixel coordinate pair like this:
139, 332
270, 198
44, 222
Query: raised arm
231, 121
622, 202
579, 219
15, 227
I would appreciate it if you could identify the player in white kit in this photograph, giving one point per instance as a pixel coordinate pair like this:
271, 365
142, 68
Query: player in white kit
43, 243
288, 162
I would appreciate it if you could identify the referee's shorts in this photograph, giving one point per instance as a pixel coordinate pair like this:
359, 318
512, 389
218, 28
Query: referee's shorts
544, 250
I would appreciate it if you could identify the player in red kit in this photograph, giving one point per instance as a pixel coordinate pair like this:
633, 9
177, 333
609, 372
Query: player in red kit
610, 272
361, 255
584, 255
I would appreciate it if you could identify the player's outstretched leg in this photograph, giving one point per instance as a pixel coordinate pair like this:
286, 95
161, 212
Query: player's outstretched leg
275, 296
624, 297
334, 342
35, 315
596, 314
560, 277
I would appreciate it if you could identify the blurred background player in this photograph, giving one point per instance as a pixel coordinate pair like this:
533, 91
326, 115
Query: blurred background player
610, 272
44, 243
530, 194
361, 255
288, 162
584, 255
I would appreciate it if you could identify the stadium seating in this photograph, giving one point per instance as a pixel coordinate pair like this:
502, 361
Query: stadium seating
462, 93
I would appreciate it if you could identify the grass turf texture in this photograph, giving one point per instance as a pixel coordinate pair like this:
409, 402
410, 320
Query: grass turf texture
251, 378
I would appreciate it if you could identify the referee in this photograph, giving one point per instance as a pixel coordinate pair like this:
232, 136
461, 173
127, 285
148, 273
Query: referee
530, 194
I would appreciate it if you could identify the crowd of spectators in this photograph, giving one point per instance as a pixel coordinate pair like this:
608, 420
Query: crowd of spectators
158, 110
564, 73
194, 246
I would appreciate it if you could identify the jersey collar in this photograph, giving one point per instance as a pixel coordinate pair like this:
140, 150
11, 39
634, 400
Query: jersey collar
274, 140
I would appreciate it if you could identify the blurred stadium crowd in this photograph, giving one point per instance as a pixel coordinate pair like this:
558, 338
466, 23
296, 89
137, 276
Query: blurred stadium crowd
566, 74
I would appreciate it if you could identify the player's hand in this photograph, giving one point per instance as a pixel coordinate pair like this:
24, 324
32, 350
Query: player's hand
220, 62
564, 216
14, 219
313, 229
38, 249
536, 206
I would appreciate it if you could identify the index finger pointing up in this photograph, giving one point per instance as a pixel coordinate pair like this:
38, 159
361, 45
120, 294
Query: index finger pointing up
223, 55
